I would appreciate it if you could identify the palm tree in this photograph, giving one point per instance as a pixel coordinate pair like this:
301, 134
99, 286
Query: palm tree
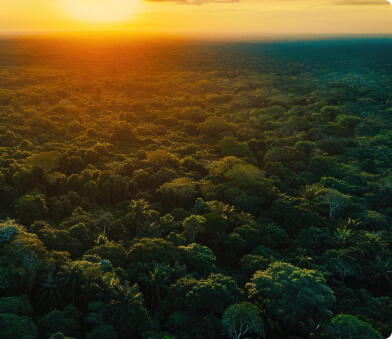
311, 192
140, 212
124, 300
30, 263
379, 272
345, 237
50, 289
150, 230
218, 207
91, 282
74, 275
303, 261
155, 281
244, 218
353, 224
379, 240
216, 241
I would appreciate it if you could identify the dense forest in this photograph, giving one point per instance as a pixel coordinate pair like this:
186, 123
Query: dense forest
188, 189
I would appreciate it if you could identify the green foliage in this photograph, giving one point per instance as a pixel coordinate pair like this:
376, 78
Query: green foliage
103, 331
244, 176
232, 147
295, 296
241, 319
199, 258
59, 335
147, 188
30, 208
329, 113
147, 250
214, 294
345, 326
193, 225
66, 321
16, 326
16, 305
180, 192
111, 251
342, 265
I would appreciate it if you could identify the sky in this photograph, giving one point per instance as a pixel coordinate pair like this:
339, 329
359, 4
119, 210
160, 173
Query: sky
199, 17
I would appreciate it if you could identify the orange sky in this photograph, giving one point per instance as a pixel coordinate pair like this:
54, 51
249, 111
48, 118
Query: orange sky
227, 17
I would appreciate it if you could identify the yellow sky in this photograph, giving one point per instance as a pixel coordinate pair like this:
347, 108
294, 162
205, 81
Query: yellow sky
256, 17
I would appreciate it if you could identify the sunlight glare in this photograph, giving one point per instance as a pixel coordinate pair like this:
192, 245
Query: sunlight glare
100, 10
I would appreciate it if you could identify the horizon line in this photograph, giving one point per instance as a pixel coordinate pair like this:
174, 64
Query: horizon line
137, 34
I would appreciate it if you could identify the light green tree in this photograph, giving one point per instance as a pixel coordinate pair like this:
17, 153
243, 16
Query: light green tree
193, 225
347, 326
241, 319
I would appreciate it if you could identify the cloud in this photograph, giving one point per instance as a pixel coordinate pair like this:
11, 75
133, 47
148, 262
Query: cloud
196, 2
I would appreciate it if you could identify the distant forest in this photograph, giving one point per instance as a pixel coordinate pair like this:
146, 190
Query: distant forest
187, 189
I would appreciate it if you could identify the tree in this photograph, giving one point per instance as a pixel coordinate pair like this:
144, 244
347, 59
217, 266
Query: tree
180, 192
102, 331
81, 232
345, 237
139, 212
147, 250
162, 159
30, 208
126, 305
220, 167
150, 230
294, 296
195, 114
214, 294
348, 121
232, 147
214, 125
66, 321
226, 212
252, 263
315, 238
156, 282
17, 305
111, 251
294, 214
245, 176
167, 223
342, 264
379, 272
193, 225
123, 132
347, 326
281, 154
329, 113
60, 240
16, 326
198, 258
22, 256
335, 200
241, 319
306, 148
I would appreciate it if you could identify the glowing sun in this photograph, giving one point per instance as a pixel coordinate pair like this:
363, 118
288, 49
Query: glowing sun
100, 10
